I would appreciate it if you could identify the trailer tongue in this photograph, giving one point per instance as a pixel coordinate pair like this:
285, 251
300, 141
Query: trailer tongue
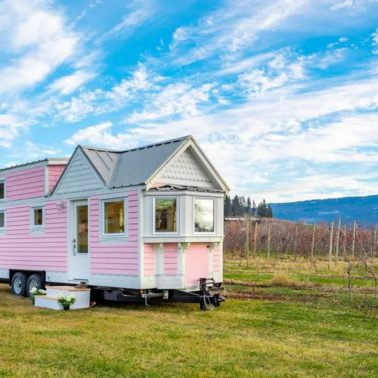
209, 296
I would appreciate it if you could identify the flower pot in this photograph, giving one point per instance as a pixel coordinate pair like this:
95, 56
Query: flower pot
66, 307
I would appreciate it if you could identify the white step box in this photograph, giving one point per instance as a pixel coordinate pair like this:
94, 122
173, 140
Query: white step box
50, 300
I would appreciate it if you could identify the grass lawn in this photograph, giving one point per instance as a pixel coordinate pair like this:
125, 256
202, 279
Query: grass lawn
292, 332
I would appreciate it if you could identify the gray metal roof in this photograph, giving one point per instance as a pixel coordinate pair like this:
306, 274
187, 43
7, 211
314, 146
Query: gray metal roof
103, 161
132, 167
35, 162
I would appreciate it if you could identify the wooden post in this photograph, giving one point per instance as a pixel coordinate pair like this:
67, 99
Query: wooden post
313, 242
330, 246
255, 241
269, 235
375, 242
295, 242
337, 241
345, 242
247, 238
354, 238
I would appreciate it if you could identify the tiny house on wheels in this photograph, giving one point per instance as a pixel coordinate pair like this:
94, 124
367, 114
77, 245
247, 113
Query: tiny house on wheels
132, 225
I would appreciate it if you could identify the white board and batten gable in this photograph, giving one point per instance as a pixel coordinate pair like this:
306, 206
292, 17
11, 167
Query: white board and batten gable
79, 176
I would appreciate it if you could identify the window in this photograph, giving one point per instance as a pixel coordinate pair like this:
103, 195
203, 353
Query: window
2, 190
114, 217
2, 220
165, 214
82, 228
37, 217
203, 215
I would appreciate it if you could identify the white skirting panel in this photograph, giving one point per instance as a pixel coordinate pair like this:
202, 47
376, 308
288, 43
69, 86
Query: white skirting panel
4, 274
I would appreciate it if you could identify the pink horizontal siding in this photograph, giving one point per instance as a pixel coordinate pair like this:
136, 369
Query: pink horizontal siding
149, 260
20, 248
120, 257
55, 171
197, 263
25, 183
217, 259
170, 258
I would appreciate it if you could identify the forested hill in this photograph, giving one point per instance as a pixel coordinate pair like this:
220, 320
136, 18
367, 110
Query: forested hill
362, 209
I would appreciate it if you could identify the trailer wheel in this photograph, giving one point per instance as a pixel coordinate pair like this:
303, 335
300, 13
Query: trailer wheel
35, 280
18, 284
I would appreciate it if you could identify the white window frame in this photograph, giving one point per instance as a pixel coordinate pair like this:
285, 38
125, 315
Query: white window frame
37, 227
3, 181
166, 233
3, 229
214, 214
121, 235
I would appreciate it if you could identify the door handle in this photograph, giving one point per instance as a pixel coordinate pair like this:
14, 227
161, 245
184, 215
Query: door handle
74, 246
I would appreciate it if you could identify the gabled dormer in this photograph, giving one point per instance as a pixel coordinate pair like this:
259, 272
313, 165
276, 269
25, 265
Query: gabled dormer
79, 176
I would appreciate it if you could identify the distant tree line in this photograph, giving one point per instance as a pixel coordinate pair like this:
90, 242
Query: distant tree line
240, 206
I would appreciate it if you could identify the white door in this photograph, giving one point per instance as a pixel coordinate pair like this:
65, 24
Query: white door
80, 241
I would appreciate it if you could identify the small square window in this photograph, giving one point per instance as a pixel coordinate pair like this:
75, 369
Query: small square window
114, 217
38, 217
2, 190
2, 219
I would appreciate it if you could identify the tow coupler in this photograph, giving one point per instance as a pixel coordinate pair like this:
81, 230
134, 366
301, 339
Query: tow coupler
208, 296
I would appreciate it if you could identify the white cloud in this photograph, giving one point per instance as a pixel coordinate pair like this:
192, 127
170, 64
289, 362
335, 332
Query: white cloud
277, 72
68, 84
375, 41
232, 28
100, 135
278, 129
348, 4
138, 12
32, 151
175, 99
10, 128
100, 101
329, 58
38, 40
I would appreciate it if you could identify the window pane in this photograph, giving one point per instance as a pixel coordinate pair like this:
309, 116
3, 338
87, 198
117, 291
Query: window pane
204, 215
114, 217
165, 215
38, 217
2, 190
2, 220
82, 229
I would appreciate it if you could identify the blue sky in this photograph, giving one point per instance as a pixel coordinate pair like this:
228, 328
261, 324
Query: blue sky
282, 95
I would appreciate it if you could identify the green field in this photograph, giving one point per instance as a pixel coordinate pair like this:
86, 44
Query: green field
290, 320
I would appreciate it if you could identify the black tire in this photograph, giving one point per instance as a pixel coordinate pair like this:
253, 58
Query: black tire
18, 284
35, 280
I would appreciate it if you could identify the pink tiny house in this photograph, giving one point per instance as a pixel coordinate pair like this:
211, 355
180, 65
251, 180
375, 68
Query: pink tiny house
138, 224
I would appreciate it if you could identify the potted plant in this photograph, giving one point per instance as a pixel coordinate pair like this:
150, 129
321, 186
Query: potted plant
34, 292
66, 301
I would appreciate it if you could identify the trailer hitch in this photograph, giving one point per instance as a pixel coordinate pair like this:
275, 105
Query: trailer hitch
209, 300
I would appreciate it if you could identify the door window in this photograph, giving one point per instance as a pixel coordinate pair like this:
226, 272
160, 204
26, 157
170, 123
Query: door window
82, 228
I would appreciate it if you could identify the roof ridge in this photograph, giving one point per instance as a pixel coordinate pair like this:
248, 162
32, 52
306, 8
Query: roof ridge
168, 141
24, 164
